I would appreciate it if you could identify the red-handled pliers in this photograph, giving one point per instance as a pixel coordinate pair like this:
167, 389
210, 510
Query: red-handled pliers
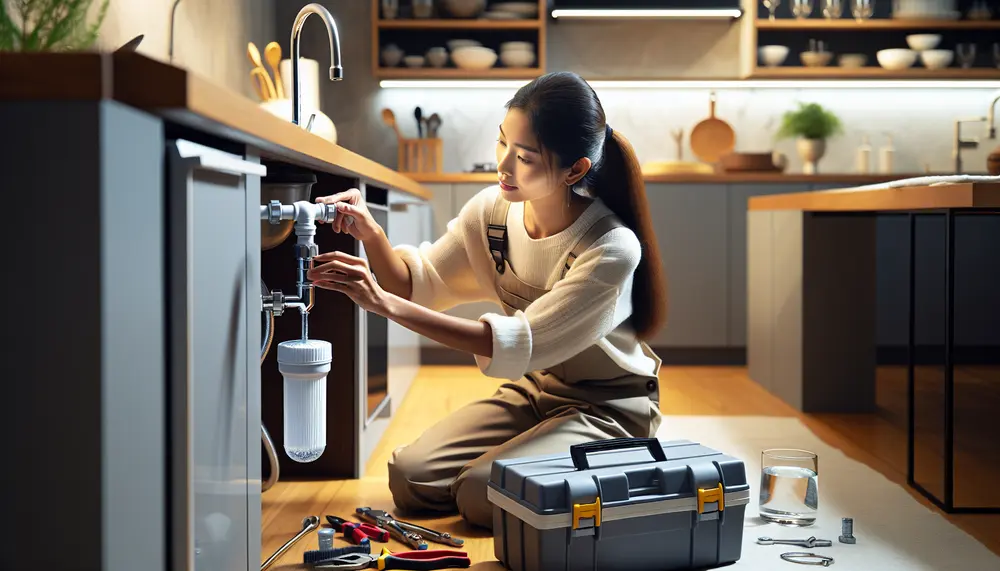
358, 533
422, 560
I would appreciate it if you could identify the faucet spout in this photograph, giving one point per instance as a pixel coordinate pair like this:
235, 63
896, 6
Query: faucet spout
336, 70
991, 118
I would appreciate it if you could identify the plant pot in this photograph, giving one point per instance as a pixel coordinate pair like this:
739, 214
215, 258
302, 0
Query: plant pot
810, 151
993, 162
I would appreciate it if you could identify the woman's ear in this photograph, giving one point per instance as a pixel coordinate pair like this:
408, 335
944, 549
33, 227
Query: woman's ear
577, 171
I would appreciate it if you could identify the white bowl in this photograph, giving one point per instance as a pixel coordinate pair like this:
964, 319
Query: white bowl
852, 60
455, 44
816, 59
464, 8
773, 56
521, 46
392, 55
474, 57
896, 59
517, 58
437, 57
414, 61
936, 59
922, 42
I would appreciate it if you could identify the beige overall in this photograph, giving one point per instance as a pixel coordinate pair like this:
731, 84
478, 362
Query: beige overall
588, 397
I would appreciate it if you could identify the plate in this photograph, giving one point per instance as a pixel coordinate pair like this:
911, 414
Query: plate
502, 16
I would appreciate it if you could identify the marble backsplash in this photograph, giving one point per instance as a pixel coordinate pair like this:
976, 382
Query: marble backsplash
920, 123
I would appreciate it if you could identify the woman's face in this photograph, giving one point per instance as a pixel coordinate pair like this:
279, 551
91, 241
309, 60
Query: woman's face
521, 169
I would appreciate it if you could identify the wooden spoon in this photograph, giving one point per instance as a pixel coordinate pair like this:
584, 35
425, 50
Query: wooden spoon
389, 118
254, 54
272, 53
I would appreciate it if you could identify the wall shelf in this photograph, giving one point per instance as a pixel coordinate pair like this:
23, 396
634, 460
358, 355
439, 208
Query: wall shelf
456, 73
415, 35
834, 72
459, 24
844, 24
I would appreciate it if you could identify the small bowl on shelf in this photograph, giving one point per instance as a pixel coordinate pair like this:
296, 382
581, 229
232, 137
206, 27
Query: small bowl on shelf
474, 57
517, 58
773, 56
852, 61
392, 55
414, 61
896, 59
937, 59
816, 59
923, 42
464, 8
437, 57
522, 9
523, 46
461, 43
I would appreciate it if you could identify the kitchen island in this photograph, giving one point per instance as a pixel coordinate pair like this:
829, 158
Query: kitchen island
813, 260
142, 396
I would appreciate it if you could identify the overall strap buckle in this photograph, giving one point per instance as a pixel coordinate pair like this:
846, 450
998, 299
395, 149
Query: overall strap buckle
496, 235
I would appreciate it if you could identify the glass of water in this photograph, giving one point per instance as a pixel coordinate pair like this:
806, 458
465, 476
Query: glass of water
789, 486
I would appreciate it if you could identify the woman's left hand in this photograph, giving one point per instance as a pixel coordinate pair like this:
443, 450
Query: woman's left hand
349, 275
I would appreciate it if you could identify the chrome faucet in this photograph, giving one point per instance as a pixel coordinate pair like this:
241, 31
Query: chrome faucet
991, 118
336, 71
961, 143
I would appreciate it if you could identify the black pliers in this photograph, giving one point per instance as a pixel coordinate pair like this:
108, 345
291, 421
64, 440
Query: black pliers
422, 560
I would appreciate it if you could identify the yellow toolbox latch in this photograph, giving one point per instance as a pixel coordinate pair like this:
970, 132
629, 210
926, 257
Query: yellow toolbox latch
584, 511
710, 495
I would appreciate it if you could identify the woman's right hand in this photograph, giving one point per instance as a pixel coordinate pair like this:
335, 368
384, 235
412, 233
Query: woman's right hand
352, 215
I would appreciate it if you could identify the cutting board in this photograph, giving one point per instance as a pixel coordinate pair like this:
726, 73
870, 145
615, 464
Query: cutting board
712, 137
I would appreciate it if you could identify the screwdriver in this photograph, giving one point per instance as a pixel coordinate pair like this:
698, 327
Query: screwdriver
358, 533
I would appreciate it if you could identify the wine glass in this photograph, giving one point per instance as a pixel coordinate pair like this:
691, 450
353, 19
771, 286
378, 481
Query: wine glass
833, 9
772, 5
966, 55
802, 8
863, 9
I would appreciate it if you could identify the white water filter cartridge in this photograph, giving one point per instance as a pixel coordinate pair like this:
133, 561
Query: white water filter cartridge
304, 364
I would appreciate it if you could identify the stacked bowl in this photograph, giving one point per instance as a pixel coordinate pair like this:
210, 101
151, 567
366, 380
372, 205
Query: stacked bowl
517, 54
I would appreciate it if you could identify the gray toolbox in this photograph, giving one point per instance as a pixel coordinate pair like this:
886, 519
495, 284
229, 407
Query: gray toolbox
621, 503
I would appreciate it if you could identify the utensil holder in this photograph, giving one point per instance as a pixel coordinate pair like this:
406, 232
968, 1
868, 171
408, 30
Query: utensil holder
420, 155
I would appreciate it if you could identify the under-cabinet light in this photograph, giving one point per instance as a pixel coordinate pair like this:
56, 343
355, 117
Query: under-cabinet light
678, 13
702, 84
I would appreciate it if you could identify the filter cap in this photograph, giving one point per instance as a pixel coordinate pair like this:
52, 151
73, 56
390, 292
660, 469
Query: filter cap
305, 352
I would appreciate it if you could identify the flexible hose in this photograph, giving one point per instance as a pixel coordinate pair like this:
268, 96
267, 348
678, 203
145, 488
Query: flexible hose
272, 457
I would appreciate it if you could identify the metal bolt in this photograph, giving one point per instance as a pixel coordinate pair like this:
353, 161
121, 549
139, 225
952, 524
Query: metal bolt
847, 531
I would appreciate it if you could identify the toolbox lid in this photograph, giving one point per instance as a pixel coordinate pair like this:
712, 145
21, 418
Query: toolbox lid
620, 478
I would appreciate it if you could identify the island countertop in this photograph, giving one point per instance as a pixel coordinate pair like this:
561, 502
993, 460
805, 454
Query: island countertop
185, 98
978, 195
689, 178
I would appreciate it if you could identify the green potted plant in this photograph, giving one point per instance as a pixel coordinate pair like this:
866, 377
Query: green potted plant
49, 25
811, 125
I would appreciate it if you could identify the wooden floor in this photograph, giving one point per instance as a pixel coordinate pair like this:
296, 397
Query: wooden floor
877, 440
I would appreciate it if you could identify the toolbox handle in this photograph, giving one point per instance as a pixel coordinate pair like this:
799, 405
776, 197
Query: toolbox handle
579, 451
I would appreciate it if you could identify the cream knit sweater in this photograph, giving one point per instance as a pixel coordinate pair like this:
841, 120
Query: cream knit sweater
588, 306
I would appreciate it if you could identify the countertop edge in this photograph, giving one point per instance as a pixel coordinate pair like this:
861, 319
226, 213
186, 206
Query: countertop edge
975, 195
693, 178
177, 95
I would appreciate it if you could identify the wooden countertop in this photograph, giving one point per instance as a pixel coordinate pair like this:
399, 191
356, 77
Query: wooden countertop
174, 93
681, 178
955, 195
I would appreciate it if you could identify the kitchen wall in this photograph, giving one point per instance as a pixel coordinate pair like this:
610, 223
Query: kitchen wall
210, 36
921, 121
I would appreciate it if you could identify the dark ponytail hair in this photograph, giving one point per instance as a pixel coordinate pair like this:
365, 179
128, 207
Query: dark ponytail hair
569, 122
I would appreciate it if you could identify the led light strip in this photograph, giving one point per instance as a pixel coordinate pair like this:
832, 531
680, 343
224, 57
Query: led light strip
722, 13
700, 84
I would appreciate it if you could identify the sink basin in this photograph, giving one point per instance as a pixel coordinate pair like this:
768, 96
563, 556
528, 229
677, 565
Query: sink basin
287, 185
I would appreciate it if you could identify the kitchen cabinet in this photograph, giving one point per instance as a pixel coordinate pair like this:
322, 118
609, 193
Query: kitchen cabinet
737, 196
214, 306
690, 225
